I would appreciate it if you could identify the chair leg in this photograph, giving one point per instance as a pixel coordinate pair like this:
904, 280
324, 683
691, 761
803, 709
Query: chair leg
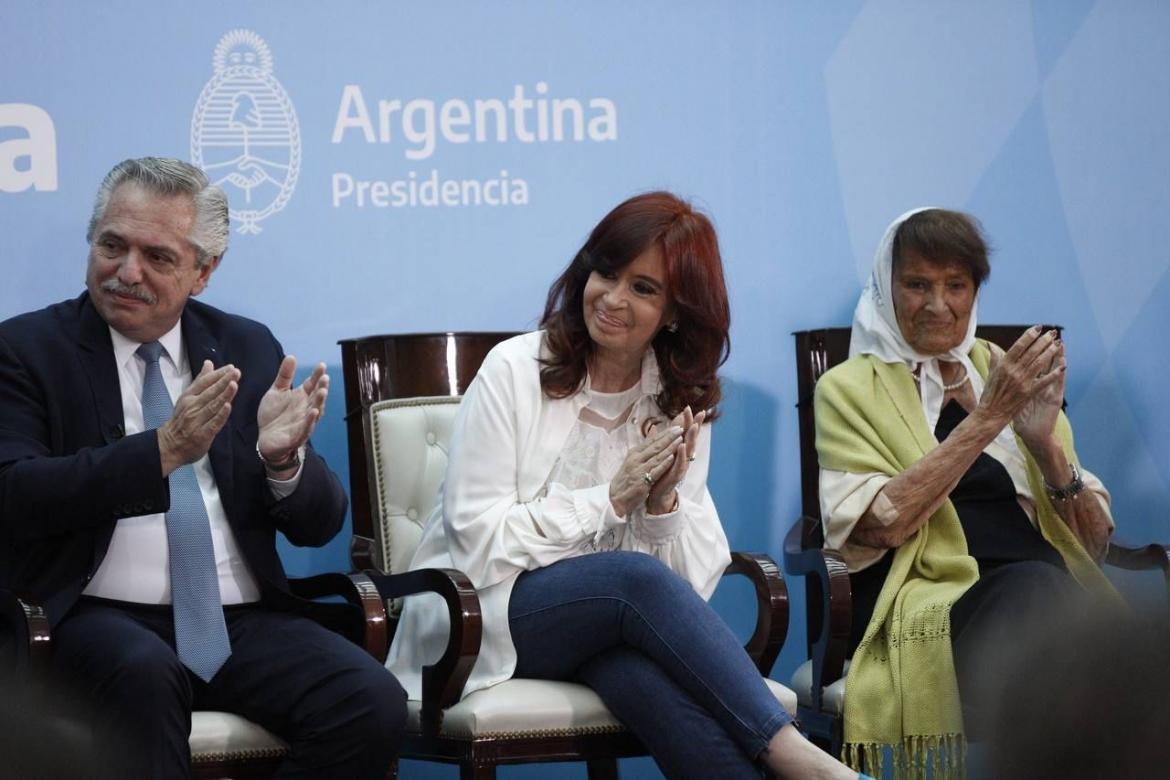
602, 768
470, 771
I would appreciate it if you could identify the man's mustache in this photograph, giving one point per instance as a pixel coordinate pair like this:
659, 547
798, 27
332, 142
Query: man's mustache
133, 290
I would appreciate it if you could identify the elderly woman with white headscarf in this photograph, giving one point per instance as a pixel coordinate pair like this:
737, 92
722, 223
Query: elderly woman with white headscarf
950, 486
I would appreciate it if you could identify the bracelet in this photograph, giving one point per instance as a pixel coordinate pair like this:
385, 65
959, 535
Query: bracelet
293, 460
1070, 490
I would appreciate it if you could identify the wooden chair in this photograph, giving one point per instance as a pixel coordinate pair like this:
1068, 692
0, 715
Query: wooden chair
222, 744
820, 682
401, 395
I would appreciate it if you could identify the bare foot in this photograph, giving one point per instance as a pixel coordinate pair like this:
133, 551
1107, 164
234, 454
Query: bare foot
792, 757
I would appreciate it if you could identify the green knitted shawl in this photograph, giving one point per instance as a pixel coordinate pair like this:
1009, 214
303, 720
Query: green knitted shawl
901, 691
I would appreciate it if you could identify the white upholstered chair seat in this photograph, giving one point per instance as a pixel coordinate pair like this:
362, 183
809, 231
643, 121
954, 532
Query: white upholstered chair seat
216, 738
834, 694
531, 708
222, 736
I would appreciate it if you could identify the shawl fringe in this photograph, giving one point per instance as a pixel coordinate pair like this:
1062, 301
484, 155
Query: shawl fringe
946, 754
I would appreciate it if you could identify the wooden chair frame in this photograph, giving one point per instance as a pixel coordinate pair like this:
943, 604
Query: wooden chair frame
828, 596
377, 368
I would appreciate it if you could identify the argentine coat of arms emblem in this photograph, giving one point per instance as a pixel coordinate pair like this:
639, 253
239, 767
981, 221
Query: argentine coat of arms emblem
244, 131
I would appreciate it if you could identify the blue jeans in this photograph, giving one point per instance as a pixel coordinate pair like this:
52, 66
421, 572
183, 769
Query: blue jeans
659, 657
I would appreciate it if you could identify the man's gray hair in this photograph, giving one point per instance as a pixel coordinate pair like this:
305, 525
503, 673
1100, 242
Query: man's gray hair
169, 177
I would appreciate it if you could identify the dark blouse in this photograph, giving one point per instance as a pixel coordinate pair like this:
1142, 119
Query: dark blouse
997, 528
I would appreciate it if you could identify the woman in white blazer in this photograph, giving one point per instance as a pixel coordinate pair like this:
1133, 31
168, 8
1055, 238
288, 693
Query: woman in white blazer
576, 501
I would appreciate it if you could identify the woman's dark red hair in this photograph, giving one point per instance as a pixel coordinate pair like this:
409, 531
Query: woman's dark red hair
687, 358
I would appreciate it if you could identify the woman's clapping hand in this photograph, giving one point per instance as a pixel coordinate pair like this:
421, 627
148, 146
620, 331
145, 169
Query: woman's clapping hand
662, 497
644, 465
1036, 419
1026, 384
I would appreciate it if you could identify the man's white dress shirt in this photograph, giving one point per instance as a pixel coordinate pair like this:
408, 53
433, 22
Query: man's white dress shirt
137, 564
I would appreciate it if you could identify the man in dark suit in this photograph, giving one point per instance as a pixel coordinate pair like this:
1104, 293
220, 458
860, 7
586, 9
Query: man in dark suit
151, 447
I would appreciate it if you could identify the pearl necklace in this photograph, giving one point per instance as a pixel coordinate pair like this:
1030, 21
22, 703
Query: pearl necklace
953, 386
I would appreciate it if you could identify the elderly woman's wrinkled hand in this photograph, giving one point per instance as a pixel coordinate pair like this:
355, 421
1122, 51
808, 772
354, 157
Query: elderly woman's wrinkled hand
643, 467
1036, 419
661, 499
1030, 374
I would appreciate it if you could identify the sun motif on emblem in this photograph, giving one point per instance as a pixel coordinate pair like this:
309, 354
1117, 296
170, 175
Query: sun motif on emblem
242, 48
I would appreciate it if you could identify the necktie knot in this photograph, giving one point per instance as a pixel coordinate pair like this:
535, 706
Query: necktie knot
150, 352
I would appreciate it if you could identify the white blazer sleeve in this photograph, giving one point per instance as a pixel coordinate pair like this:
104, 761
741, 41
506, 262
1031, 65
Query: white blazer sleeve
492, 535
689, 540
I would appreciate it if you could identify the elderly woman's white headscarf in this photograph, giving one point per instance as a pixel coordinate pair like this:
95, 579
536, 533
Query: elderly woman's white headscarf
876, 332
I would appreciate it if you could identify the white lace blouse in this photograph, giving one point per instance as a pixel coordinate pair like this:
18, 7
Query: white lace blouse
597, 447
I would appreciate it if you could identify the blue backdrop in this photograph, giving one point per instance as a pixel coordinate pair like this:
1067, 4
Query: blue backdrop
415, 167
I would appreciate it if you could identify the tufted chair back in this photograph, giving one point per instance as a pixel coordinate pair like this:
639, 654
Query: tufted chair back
401, 395
410, 439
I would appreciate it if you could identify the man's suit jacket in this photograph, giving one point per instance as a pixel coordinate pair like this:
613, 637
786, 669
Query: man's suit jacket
68, 472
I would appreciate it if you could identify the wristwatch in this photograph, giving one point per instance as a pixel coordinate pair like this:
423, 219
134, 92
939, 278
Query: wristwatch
293, 461
1068, 491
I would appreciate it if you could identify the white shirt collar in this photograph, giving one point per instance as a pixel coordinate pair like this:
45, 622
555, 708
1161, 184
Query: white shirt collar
172, 344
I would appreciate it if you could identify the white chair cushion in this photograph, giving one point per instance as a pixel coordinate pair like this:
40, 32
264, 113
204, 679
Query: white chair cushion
538, 708
523, 707
834, 694
783, 695
220, 736
411, 437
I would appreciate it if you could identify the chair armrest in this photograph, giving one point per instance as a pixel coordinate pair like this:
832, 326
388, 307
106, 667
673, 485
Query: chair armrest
30, 630
362, 552
360, 591
771, 606
443, 681
1150, 556
826, 582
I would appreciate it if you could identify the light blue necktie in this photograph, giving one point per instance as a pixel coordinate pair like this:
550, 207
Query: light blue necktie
201, 637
